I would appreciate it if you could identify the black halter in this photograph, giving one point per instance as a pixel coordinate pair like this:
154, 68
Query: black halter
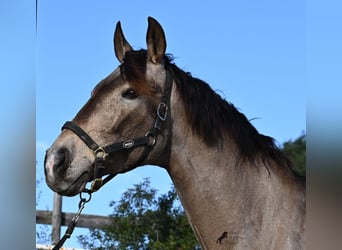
100, 153
148, 140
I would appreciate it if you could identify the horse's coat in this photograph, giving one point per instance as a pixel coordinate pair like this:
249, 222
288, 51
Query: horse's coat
237, 188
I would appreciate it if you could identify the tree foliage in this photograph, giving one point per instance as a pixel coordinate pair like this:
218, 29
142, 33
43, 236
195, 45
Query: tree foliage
43, 234
296, 151
141, 220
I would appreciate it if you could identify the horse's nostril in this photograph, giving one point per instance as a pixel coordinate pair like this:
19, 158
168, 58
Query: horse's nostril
57, 160
61, 159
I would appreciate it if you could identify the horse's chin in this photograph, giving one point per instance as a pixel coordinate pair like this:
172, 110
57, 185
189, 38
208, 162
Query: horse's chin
75, 187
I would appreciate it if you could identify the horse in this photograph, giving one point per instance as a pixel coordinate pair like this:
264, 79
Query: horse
237, 188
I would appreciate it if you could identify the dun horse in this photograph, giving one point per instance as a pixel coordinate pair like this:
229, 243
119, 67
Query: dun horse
237, 188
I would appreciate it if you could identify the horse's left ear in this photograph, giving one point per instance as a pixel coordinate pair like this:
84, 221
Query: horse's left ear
121, 46
156, 42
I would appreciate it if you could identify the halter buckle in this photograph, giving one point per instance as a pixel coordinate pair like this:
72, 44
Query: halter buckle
96, 184
162, 111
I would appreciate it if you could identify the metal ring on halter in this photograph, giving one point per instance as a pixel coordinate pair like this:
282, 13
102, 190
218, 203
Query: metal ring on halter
99, 151
84, 199
151, 139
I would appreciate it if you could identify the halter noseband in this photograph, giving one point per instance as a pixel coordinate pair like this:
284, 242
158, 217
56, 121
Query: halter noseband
148, 140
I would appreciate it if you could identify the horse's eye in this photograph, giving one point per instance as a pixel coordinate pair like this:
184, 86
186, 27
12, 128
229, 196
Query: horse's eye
129, 94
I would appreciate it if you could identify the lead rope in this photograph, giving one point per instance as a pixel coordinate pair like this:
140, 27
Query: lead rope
74, 221
96, 184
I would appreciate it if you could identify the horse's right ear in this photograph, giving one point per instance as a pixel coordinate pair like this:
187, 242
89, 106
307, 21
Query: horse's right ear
121, 46
156, 42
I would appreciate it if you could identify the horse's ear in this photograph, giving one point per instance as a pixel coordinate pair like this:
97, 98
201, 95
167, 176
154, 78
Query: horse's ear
156, 42
121, 46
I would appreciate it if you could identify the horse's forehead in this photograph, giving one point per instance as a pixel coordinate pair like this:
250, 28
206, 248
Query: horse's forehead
145, 82
155, 72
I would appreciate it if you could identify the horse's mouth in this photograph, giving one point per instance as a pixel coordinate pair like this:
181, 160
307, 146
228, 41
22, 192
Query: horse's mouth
77, 186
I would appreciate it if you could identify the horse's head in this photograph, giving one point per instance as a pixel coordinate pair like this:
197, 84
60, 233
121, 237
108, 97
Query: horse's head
123, 123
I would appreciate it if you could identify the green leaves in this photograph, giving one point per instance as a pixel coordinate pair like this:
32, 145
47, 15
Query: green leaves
296, 151
141, 220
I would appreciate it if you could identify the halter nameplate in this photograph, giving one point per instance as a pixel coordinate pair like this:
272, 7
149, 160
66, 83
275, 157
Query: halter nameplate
128, 144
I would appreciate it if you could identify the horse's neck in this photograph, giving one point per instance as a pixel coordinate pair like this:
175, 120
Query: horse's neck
218, 196
248, 204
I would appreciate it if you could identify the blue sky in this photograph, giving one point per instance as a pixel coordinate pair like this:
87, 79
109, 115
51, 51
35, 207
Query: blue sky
251, 52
